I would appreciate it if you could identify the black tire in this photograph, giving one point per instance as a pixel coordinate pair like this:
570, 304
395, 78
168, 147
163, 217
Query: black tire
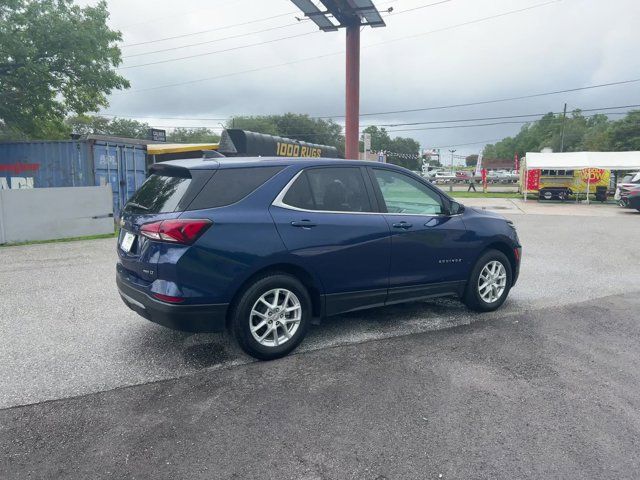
241, 314
472, 298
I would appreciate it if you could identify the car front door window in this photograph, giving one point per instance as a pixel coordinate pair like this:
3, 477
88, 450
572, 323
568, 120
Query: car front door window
403, 194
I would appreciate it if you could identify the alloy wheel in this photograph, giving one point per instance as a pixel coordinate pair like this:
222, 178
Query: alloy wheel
275, 317
492, 281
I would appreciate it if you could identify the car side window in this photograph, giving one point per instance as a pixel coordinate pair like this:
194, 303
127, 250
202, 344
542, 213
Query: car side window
330, 189
403, 194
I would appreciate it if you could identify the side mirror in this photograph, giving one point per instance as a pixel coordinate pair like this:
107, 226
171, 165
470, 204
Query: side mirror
455, 208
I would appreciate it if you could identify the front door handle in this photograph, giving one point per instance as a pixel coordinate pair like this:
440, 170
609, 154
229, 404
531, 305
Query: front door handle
303, 224
402, 225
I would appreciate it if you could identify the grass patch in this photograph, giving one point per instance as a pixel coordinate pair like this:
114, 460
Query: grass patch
60, 240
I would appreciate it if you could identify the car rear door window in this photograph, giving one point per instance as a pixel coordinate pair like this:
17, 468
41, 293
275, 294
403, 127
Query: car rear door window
330, 189
230, 185
403, 194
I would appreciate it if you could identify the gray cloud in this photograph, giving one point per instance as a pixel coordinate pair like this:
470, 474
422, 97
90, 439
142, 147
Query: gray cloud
563, 45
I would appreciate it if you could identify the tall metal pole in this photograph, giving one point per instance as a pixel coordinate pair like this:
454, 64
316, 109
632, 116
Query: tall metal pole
352, 92
564, 116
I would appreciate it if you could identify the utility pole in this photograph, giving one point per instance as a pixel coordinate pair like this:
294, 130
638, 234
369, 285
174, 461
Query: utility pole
452, 150
352, 97
564, 116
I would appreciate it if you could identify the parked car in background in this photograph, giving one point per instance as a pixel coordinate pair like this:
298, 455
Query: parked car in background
628, 182
633, 199
628, 196
263, 246
443, 177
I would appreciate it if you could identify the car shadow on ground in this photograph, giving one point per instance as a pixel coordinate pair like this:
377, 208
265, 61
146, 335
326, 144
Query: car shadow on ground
183, 351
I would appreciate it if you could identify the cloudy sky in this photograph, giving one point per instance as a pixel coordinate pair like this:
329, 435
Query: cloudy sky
448, 53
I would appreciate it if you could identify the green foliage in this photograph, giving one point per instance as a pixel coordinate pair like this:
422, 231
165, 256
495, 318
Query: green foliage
595, 133
471, 160
192, 135
55, 58
624, 134
97, 125
293, 125
381, 141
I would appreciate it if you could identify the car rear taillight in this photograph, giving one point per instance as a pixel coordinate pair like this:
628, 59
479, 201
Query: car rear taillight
183, 231
168, 298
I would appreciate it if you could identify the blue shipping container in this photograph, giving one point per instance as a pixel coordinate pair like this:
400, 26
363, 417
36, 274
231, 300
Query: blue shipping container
70, 163
45, 164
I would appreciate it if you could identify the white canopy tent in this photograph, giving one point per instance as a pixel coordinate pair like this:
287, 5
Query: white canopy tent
580, 160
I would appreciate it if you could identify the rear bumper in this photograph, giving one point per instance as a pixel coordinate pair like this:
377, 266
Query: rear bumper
187, 318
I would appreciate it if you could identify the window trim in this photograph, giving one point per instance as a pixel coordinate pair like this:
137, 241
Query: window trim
375, 202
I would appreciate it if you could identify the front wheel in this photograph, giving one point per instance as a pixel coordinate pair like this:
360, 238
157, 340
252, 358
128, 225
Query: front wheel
272, 316
489, 283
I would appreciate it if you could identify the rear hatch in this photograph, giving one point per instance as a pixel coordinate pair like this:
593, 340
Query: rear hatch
164, 195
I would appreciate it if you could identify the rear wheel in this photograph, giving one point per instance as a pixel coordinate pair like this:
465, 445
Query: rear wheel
489, 283
272, 316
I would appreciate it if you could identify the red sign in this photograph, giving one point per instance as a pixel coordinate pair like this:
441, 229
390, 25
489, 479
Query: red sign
484, 178
533, 179
18, 168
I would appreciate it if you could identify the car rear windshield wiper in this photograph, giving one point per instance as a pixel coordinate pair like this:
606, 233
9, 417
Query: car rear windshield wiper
137, 205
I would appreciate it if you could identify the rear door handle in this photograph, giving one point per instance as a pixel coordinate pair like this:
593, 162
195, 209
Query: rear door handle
403, 225
303, 224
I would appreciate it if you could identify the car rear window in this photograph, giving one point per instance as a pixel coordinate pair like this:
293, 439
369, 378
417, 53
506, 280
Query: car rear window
158, 194
230, 185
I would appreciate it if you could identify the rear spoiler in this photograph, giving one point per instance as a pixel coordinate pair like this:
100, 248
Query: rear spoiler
169, 170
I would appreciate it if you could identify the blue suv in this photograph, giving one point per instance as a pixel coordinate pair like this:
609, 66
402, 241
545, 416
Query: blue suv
265, 246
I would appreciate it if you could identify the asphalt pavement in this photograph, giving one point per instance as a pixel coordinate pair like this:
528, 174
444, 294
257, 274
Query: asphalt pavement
64, 330
551, 393
546, 386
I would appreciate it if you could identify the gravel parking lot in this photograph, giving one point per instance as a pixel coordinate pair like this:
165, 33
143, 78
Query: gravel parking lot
65, 332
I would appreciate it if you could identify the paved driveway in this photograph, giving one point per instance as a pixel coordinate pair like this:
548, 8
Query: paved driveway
551, 393
64, 331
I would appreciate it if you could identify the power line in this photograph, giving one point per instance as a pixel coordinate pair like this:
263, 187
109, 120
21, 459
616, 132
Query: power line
240, 47
258, 20
204, 54
499, 100
225, 27
442, 107
513, 122
218, 127
393, 14
247, 34
497, 118
318, 56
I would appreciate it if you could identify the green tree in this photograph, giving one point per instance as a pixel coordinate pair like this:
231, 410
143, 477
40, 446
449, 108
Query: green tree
55, 58
624, 134
97, 125
192, 135
595, 133
471, 160
401, 151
